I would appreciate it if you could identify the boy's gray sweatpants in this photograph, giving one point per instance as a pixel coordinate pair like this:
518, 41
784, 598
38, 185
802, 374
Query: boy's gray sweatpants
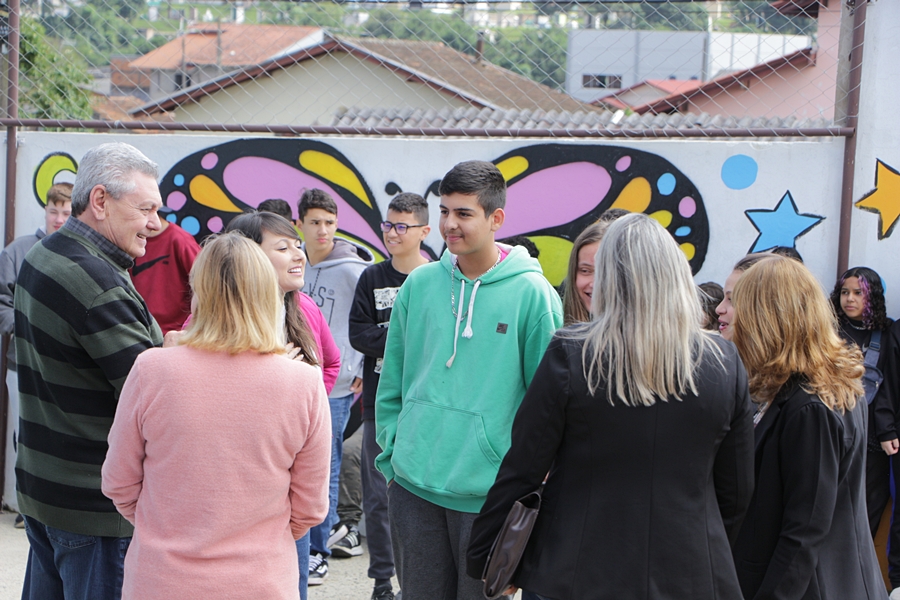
430, 544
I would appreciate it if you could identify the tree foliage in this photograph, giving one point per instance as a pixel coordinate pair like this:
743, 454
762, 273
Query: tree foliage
98, 31
53, 84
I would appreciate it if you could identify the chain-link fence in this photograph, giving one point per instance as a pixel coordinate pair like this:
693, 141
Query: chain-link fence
744, 65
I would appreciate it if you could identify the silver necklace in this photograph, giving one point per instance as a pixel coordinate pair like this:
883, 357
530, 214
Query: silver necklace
453, 283
863, 328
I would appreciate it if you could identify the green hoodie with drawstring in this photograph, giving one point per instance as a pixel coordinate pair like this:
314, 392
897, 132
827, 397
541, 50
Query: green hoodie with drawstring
451, 383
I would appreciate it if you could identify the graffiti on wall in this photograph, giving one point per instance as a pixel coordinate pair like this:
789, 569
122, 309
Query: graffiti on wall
884, 199
554, 191
780, 226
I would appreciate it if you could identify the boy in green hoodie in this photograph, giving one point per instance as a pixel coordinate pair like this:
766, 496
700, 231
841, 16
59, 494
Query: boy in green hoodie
455, 371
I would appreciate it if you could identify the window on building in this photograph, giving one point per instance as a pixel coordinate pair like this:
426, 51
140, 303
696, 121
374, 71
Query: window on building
601, 81
182, 80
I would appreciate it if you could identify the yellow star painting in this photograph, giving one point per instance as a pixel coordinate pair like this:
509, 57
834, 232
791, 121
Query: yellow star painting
884, 199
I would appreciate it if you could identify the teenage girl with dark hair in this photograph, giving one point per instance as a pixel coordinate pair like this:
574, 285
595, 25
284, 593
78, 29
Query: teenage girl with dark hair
305, 325
858, 301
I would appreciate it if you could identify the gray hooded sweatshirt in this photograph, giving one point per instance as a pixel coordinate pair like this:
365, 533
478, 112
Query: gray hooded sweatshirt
332, 285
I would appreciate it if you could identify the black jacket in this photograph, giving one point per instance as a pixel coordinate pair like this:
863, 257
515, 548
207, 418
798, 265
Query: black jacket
883, 409
806, 534
370, 316
641, 501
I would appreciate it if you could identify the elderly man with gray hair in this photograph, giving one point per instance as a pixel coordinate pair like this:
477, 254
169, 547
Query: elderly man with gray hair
80, 325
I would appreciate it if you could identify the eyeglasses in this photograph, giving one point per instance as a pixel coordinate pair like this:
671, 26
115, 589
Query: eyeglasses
400, 227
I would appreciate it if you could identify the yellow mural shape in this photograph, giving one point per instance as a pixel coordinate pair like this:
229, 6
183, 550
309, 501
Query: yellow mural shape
511, 167
688, 250
884, 199
205, 191
330, 168
664, 217
52, 166
554, 257
635, 197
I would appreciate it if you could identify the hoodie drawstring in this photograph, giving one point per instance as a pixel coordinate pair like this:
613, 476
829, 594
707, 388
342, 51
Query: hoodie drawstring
467, 332
459, 316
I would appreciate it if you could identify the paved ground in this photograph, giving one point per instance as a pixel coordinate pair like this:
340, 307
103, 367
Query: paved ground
346, 581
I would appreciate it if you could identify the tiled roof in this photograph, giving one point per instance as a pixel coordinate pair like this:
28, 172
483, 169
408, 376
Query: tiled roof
481, 84
803, 8
672, 86
486, 118
666, 87
498, 87
740, 79
240, 45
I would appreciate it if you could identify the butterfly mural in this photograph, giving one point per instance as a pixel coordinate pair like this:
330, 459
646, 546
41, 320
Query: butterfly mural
554, 191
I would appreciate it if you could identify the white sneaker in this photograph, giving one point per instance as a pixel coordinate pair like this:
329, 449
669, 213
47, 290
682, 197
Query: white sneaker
337, 533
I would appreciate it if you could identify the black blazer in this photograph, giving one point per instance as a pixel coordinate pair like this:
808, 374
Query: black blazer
806, 535
640, 501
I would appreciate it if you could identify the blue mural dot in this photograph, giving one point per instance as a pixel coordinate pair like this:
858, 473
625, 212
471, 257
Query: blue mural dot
178, 180
171, 218
666, 184
739, 172
683, 231
191, 225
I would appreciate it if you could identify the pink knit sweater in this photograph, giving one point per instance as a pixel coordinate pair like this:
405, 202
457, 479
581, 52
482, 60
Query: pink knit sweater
221, 462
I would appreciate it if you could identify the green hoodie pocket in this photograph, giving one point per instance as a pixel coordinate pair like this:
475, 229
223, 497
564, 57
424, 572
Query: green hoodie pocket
444, 450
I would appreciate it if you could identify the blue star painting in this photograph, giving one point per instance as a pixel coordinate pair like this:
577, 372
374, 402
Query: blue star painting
780, 226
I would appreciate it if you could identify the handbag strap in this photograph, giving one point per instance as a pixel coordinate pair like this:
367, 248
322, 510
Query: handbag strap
873, 352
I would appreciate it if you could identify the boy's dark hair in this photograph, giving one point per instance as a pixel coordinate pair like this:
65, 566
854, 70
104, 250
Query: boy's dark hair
315, 198
477, 177
712, 296
612, 214
521, 240
408, 202
788, 252
59, 193
277, 206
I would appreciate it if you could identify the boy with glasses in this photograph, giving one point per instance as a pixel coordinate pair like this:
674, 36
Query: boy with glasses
404, 231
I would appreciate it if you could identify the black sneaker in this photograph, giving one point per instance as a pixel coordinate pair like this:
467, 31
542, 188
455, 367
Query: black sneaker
348, 545
20, 522
337, 533
318, 569
384, 592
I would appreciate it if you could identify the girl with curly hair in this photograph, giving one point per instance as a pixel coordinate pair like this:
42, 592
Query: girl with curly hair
858, 301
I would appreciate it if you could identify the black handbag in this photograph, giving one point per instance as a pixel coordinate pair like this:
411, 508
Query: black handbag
508, 548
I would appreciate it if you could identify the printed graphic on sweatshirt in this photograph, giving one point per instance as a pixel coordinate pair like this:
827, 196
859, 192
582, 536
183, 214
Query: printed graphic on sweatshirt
384, 297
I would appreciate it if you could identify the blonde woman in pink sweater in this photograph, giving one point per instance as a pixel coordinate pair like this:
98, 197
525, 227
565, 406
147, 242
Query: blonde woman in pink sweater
220, 449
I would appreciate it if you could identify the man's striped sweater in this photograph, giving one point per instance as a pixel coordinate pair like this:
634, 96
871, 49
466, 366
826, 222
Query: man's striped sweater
80, 324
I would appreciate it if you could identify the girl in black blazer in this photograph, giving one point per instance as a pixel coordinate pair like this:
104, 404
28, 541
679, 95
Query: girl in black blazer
806, 534
644, 424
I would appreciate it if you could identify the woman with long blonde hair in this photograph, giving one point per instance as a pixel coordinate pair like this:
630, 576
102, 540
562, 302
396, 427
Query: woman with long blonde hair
644, 423
806, 534
221, 422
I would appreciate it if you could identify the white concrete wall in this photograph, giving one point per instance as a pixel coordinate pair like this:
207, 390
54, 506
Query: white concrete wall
810, 171
879, 123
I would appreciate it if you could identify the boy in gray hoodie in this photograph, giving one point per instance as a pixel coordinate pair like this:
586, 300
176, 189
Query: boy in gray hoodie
332, 272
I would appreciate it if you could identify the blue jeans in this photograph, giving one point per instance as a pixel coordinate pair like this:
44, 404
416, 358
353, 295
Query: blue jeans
340, 414
63, 565
303, 563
